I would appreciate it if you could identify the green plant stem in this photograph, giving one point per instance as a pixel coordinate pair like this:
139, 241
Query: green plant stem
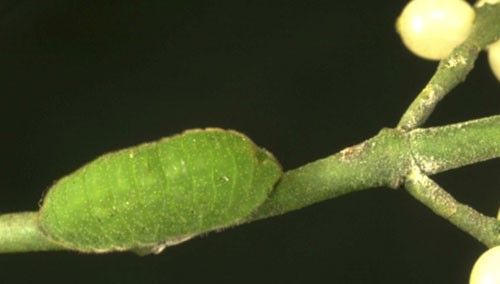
485, 229
438, 149
454, 69
450, 72
19, 232
385, 160
380, 161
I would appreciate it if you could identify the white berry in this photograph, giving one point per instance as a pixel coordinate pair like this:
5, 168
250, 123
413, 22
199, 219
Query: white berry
494, 59
482, 2
486, 270
433, 28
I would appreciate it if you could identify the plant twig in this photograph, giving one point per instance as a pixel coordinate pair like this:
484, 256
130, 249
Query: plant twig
385, 160
438, 149
19, 232
454, 69
483, 228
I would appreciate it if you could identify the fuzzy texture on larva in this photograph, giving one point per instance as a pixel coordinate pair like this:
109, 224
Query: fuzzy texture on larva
157, 194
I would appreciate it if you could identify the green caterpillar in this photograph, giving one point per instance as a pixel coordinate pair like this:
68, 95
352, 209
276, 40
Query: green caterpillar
157, 194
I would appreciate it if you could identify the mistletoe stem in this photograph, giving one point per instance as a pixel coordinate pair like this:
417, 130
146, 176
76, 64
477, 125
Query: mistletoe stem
389, 159
454, 69
485, 229
19, 232
450, 72
438, 149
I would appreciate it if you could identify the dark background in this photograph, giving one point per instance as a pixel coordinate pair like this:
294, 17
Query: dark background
302, 78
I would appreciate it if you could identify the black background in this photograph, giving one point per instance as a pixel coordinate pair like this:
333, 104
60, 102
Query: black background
302, 78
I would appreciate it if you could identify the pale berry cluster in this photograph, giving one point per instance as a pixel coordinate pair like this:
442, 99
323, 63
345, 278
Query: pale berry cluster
431, 29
